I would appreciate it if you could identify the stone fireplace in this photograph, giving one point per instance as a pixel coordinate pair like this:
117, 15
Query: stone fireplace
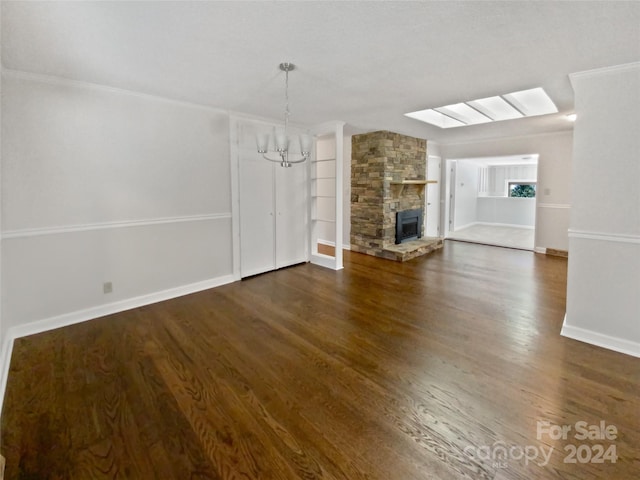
388, 175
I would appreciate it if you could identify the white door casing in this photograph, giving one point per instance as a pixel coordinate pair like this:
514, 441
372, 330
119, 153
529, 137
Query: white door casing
433, 197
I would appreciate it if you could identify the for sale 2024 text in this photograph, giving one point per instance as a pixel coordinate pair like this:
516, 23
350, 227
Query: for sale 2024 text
581, 431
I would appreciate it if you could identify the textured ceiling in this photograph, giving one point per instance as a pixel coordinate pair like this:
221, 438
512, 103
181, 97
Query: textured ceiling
366, 63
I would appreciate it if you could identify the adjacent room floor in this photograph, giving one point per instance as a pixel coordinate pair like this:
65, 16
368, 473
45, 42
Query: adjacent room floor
447, 366
501, 236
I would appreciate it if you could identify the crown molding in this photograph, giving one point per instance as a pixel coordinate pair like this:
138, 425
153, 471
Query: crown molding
64, 81
597, 72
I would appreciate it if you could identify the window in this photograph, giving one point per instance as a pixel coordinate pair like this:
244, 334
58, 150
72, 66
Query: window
519, 189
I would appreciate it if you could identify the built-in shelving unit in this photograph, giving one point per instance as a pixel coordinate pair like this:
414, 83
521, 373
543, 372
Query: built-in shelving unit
326, 196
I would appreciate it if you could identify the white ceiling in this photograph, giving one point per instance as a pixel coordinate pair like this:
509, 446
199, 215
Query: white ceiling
366, 63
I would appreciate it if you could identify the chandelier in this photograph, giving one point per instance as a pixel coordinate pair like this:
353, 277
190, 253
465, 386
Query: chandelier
280, 136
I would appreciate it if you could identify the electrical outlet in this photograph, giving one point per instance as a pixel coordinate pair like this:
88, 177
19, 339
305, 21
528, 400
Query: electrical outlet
107, 287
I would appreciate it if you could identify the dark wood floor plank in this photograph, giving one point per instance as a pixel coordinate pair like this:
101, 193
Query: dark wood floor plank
237, 361
256, 406
382, 370
110, 446
166, 435
284, 366
224, 421
320, 365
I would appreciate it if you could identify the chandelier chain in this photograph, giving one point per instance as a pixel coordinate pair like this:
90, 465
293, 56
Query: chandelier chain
282, 141
286, 106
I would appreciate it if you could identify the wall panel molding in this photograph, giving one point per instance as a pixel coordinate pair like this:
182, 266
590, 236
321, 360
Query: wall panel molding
36, 232
605, 237
553, 205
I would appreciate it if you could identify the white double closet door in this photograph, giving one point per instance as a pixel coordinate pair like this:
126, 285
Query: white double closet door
273, 214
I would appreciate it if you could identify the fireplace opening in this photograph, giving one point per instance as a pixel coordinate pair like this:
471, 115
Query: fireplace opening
408, 225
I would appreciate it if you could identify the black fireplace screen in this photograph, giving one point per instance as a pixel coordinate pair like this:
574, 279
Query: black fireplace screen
408, 225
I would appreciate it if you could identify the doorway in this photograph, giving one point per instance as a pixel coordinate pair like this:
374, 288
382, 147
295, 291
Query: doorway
491, 200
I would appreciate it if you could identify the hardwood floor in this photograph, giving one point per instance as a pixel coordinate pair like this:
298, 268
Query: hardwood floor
385, 370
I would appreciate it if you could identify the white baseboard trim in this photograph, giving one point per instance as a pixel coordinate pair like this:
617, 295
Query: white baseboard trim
5, 358
325, 261
462, 227
92, 313
491, 224
115, 307
541, 250
600, 340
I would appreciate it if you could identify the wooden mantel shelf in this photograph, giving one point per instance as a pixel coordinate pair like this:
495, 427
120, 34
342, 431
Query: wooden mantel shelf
414, 182
421, 183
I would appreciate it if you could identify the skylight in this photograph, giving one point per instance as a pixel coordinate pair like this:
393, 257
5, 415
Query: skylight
464, 113
532, 102
525, 103
435, 118
496, 108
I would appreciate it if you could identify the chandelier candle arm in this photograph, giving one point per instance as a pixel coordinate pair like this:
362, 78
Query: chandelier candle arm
282, 141
305, 144
281, 137
262, 141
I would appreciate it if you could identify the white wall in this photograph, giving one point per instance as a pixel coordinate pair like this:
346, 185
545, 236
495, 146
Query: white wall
554, 169
507, 211
466, 194
433, 149
603, 292
101, 185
